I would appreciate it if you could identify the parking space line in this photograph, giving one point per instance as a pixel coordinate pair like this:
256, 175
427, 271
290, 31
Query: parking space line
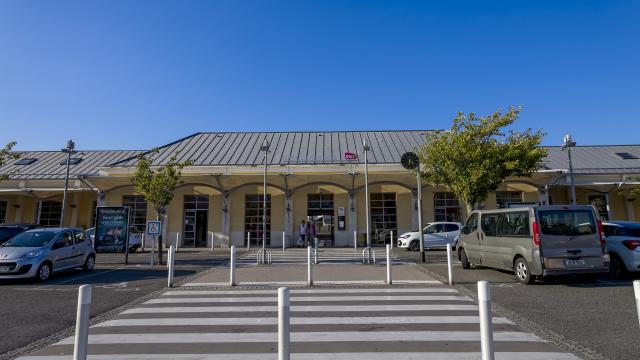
80, 278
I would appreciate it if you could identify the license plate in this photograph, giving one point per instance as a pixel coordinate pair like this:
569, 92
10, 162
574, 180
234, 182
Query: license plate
5, 268
574, 262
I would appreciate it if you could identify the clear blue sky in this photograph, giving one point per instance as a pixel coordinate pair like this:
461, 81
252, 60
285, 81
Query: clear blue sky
135, 74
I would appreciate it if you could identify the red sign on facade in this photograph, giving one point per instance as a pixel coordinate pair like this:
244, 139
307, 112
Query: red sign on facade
350, 156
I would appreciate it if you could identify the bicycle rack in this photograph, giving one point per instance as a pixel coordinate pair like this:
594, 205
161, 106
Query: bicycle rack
263, 257
368, 255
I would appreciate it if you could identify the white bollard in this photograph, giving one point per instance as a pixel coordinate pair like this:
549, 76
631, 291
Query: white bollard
486, 325
309, 268
232, 270
391, 239
355, 240
177, 241
450, 264
636, 290
248, 240
171, 263
82, 323
283, 324
213, 243
169, 256
388, 264
283, 241
142, 240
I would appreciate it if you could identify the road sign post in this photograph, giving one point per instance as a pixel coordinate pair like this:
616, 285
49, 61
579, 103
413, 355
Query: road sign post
154, 228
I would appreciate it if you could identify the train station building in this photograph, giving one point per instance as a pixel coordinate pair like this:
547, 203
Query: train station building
317, 176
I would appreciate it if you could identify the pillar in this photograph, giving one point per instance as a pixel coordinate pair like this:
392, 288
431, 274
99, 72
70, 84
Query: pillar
74, 210
18, 212
630, 210
353, 216
226, 222
288, 218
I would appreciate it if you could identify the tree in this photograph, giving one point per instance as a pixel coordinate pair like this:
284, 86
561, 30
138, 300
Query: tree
158, 185
7, 155
475, 156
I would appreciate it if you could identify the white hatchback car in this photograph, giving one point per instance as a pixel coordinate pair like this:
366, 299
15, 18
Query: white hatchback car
623, 245
436, 234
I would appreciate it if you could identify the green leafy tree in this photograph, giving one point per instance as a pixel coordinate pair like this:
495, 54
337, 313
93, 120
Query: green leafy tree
158, 185
7, 155
631, 193
475, 156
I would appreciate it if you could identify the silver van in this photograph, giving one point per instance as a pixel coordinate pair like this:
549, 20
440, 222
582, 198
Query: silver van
536, 241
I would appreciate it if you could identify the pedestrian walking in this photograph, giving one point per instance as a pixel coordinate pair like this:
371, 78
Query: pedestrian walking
302, 231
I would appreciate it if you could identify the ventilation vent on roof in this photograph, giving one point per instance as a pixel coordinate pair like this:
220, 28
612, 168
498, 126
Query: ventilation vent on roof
25, 161
72, 161
626, 156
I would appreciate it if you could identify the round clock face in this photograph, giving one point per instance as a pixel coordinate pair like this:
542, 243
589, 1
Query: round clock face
409, 160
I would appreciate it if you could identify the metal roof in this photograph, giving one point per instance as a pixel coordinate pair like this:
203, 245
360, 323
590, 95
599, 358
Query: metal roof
52, 164
600, 159
287, 148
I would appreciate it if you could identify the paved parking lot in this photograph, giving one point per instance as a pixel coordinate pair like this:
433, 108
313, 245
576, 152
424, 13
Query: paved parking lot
601, 316
33, 311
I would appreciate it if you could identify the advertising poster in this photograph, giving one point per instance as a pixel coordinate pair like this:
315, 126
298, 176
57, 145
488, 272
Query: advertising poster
112, 227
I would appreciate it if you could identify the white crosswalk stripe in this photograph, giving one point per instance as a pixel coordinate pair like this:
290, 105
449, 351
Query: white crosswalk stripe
373, 323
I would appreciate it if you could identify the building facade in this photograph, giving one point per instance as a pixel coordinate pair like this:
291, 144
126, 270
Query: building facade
309, 178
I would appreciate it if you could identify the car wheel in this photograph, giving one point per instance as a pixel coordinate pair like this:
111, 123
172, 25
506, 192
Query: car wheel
414, 246
44, 272
464, 260
617, 269
90, 263
523, 273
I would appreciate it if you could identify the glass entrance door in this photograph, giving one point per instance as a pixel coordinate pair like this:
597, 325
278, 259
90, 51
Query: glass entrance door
320, 218
196, 211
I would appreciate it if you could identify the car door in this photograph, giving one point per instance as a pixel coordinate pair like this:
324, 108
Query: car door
490, 239
80, 247
62, 251
434, 235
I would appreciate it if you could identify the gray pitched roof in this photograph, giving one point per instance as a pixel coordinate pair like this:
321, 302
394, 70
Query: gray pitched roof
295, 148
49, 164
596, 159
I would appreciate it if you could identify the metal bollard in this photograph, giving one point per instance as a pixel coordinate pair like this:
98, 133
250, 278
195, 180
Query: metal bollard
283, 241
283, 324
309, 267
355, 240
232, 270
171, 262
391, 239
142, 239
213, 243
82, 323
449, 264
636, 290
373, 252
177, 241
486, 325
248, 241
388, 264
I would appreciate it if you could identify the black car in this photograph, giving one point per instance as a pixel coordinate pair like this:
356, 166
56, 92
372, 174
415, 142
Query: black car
7, 232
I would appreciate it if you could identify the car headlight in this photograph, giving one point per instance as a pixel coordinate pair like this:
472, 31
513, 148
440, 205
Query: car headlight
33, 253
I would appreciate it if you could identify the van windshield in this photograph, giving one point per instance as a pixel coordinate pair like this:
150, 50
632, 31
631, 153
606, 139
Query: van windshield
567, 222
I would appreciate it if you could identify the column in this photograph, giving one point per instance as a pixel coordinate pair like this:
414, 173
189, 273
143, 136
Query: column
100, 201
543, 195
609, 208
288, 218
18, 213
631, 214
74, 210
226, 223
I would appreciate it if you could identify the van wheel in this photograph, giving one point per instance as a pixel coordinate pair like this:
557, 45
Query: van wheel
617, 269
464, 260
523, 273
44, 272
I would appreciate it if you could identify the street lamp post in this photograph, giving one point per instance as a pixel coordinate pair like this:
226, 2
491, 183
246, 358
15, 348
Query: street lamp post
420, 230
265, 148
366, 149
568, 144
69, 150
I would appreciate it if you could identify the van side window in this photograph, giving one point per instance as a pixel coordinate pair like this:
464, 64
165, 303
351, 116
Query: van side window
515, 224
489, 224
472, 224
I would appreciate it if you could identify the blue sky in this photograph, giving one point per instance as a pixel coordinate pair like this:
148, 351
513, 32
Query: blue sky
136, 74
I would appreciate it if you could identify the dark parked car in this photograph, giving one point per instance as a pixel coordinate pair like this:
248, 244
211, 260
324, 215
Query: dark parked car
7, 232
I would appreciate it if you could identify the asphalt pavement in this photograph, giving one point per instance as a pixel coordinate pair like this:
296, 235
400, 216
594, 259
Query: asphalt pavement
32, 312
597, 320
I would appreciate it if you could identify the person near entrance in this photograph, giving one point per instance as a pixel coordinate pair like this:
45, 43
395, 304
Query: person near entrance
311, 232
302, 231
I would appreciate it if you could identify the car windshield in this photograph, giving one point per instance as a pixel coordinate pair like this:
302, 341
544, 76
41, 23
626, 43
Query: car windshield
567, 222
31, 239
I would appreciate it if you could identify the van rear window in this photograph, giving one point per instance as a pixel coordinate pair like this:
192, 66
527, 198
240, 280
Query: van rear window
567, 222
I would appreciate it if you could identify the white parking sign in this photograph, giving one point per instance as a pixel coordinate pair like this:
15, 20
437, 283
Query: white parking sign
153, 228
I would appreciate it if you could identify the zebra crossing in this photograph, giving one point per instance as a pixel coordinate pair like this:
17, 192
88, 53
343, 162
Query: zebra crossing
373, 323
295, 256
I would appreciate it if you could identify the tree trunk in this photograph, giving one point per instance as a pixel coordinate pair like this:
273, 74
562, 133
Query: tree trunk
470, 208
162, 219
